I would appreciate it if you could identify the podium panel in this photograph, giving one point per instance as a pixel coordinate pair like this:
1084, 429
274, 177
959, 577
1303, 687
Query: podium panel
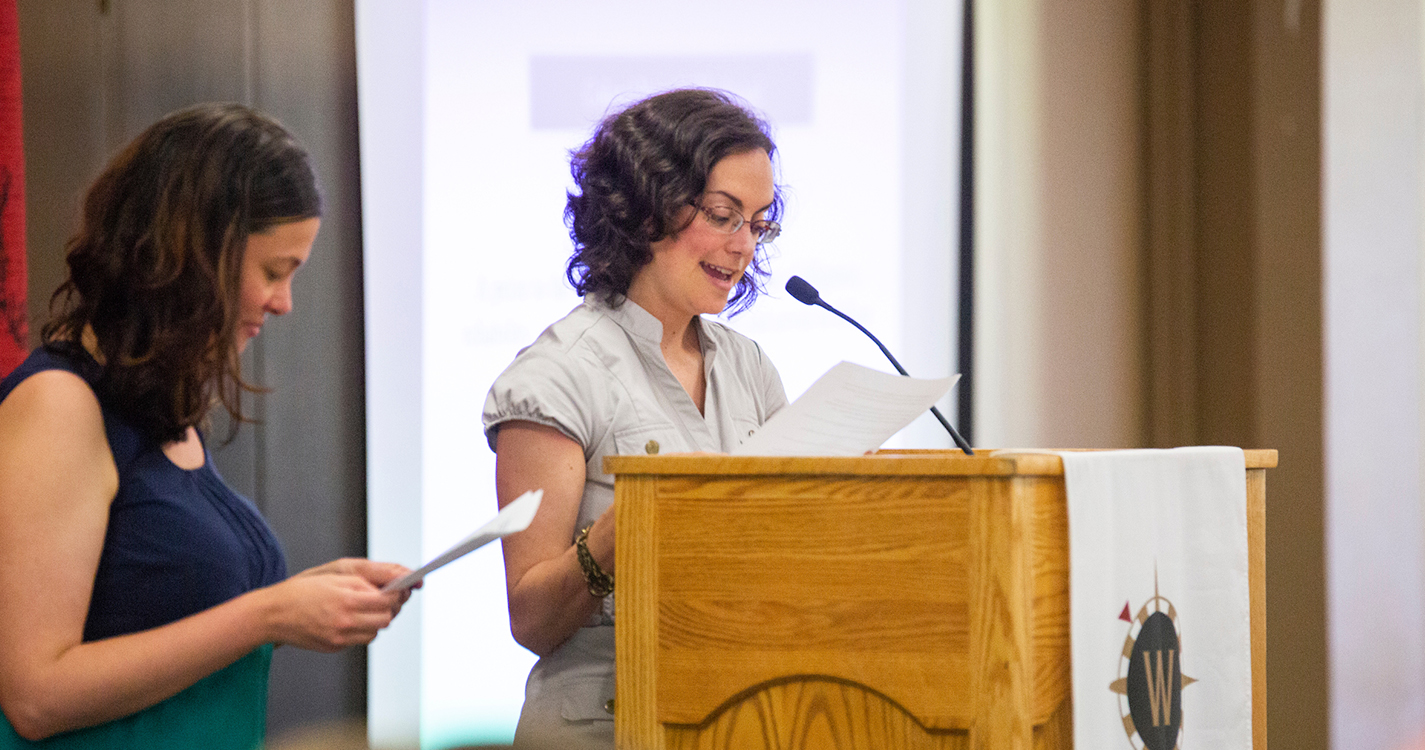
914, 599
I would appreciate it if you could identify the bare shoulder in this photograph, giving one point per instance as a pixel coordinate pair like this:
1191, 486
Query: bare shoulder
53, 419
52, 396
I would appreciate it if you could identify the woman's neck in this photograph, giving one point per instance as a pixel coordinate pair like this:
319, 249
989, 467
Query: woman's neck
90, 342
682, 350
680, 336
684, 343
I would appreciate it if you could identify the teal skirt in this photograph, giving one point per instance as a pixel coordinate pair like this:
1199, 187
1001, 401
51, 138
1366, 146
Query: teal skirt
226, 710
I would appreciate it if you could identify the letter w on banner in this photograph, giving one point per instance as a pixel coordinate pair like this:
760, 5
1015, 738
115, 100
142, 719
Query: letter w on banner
14, 329
1159, 604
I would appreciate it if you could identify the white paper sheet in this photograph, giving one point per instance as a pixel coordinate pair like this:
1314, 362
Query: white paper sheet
848, 411
512, 518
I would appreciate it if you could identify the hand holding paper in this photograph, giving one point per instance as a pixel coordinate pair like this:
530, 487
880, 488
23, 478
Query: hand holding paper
512, 518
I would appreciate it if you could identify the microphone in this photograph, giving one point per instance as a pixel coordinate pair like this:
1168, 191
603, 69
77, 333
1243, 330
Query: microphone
806, 294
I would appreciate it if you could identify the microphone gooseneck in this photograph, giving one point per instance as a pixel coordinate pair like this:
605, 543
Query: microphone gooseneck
806, 294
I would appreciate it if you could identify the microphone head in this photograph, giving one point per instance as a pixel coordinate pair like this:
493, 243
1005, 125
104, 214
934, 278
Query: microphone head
802, 292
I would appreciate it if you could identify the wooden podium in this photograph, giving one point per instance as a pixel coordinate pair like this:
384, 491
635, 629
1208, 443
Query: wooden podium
915, 599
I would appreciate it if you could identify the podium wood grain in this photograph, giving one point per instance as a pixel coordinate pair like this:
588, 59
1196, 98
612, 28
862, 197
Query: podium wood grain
915, 599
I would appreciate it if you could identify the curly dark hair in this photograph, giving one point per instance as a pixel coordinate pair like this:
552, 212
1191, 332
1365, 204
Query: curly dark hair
155, 268
640, 170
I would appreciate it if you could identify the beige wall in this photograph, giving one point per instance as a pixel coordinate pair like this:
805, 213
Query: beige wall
1091, 196
1058, 229
1148, 260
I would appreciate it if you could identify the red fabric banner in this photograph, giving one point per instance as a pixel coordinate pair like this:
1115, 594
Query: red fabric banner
14, 328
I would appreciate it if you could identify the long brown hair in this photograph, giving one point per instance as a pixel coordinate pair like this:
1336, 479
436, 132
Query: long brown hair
155, 268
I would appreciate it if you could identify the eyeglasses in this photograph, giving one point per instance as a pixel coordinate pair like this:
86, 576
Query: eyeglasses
728, 220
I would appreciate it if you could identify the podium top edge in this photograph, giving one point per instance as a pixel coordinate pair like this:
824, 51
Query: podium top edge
885, 463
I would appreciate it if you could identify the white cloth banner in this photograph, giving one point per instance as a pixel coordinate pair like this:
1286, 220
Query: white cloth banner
1158, 598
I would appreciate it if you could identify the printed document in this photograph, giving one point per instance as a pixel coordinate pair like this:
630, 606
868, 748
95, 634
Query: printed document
847, 412
512, 518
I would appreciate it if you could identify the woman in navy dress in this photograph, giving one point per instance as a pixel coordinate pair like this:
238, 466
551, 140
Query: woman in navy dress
140, 596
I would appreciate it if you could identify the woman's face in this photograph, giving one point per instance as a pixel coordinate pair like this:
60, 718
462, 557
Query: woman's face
694, 271
270, 260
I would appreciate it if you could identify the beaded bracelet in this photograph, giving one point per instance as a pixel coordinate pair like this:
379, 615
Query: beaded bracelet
601, 584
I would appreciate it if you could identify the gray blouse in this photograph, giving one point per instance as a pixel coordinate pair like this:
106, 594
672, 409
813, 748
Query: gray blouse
598, 376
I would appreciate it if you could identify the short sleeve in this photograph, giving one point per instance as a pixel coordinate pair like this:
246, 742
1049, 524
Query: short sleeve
548, 388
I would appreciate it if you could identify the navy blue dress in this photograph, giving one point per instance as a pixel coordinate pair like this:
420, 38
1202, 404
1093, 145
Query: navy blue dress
178, 542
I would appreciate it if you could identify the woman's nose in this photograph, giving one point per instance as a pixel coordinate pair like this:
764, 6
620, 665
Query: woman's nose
280, 303
744, 240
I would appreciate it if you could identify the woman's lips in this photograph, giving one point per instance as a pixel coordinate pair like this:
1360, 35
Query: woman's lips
722, 277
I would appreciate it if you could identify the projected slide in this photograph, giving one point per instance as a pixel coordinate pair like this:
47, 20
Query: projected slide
468, 113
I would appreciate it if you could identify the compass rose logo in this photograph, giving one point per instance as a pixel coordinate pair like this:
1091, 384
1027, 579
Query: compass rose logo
1150, 675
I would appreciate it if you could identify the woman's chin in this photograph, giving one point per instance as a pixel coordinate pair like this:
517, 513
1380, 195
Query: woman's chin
717, 301
713, 306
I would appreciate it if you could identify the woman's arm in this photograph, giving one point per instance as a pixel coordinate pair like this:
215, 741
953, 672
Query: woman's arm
549, 598
57, 479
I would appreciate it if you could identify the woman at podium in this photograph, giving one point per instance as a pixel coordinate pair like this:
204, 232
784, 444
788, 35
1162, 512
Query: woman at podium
674, 201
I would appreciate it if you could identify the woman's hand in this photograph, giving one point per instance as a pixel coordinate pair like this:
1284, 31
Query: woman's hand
332, 606
378, 574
